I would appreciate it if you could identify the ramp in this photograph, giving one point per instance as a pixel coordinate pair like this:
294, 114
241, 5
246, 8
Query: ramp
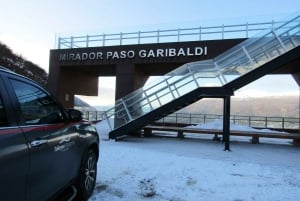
219, 77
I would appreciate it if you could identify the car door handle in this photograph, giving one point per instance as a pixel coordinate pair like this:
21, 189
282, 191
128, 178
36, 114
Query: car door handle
36, 143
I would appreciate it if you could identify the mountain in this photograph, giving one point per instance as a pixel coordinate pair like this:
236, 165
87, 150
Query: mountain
276, 106
18, 64
79, 102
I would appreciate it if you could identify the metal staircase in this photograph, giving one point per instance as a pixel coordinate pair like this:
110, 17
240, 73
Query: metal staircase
242, 64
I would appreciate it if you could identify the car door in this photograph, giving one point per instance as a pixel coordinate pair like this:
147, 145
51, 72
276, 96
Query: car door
14, 156
52, 140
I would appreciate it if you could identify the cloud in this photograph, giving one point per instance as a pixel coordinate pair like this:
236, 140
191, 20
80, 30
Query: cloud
270, 85
263, 93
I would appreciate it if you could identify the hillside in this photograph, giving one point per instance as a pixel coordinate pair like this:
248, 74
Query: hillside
278, 106
22, 66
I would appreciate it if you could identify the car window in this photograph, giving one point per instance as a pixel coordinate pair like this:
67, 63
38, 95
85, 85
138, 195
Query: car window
3, 117
36, 105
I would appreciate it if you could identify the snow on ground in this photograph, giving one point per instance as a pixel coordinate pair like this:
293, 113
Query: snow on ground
195, 169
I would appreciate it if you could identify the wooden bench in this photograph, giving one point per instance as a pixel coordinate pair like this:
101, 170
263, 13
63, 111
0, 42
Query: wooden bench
255, 135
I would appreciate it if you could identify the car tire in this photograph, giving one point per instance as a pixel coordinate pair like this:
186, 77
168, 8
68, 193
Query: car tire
87, 176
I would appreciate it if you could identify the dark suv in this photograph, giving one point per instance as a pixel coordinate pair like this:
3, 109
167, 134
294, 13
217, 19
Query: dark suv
44, 148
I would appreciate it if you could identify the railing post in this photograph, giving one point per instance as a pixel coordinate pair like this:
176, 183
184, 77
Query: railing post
121, 38
157, 98
200, 33
279, 40
108, 121
72, 40
96, 115
222, 31
283, 123
59, 42
139, 37
87, 40
126, 109
193, 75
247, 30
249, 121
247, 54
266, 122
103, 41
158, 36
149, 103
169, 87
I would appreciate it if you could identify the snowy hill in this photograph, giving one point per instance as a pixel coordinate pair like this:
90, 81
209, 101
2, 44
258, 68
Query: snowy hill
21, 66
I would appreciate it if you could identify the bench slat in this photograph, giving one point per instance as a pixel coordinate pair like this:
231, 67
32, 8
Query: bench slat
182, 130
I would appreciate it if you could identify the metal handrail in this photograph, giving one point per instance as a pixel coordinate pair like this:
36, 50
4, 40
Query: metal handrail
233, 63
158, 36
274, 122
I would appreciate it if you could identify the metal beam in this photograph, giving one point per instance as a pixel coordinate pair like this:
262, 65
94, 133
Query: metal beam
226, 123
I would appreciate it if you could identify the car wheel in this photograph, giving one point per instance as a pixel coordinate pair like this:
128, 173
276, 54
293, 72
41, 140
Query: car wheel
87, 176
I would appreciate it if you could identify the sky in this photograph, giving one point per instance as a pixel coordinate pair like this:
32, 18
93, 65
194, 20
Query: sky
30, 28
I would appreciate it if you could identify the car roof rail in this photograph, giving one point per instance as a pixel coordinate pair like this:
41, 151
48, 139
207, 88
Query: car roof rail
6, 69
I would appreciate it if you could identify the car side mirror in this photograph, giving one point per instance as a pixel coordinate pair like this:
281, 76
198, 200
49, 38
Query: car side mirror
75, 115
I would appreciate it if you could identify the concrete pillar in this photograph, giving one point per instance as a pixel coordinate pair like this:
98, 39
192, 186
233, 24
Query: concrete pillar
128, 79
76, 82
226, 123
54, 74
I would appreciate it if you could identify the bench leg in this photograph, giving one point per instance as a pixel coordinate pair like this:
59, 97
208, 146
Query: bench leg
216, 138
255, 139
296, 142
147, 132
180, 134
